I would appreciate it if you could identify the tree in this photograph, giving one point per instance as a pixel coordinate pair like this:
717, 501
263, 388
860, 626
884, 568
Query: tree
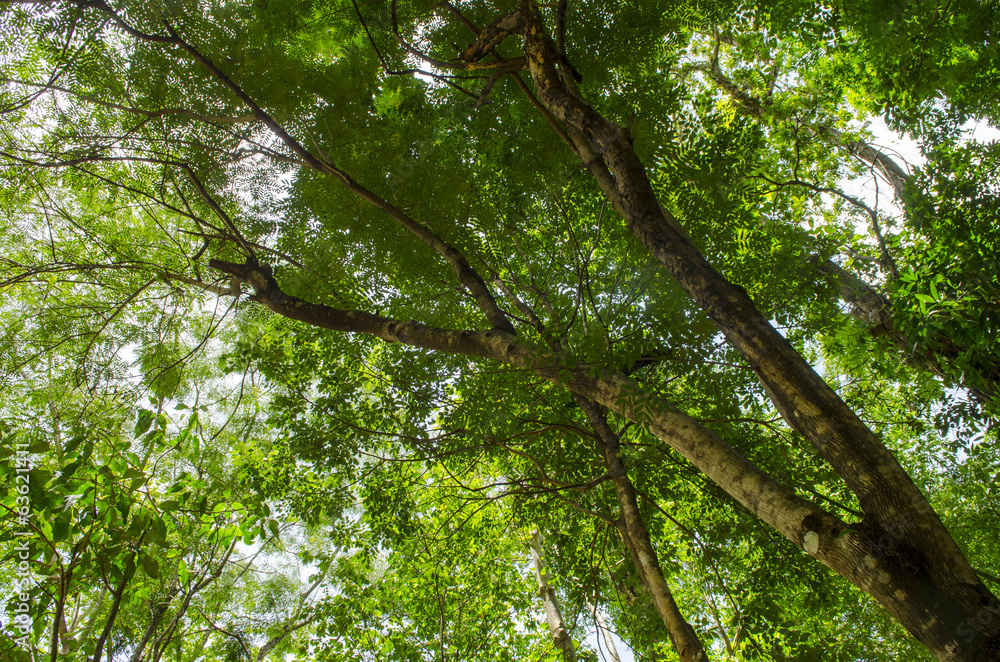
582, 228
129, 541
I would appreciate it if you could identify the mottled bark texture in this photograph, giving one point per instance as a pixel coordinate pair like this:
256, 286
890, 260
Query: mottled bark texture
931, 588
899, 553
868, 557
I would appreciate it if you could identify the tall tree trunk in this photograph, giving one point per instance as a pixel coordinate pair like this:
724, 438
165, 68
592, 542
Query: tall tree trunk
949, 622
873, 307
636, 535
928, 566
910, 563
553, 616
605, 633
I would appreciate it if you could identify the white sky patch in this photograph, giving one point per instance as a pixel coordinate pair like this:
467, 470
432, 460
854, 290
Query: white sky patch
874, 190
595, 640
981, 132
895, 144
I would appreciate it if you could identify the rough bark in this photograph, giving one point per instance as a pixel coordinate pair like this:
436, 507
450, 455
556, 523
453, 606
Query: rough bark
954, 627
895, 510
491, 36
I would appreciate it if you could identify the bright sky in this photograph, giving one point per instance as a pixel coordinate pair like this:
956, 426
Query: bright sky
904, 150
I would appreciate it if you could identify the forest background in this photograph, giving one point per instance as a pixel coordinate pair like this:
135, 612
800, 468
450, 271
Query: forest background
325, 321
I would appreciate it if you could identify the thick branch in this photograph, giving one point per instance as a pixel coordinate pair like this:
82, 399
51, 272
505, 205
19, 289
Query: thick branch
491, 36
468, 276
870, 306
884, 164
886, 492
849, 550
553, 615
644, 557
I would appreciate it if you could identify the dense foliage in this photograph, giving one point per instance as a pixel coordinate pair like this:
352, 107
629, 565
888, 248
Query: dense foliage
315, 311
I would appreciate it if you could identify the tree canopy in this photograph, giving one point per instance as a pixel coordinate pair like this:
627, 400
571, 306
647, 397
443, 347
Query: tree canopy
326, 321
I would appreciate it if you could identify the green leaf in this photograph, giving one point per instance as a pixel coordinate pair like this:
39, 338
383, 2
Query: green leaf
169, 505
144, 421
149, 565
159, 529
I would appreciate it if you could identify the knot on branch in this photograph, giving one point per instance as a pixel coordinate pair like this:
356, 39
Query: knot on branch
259, 276
492, 35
